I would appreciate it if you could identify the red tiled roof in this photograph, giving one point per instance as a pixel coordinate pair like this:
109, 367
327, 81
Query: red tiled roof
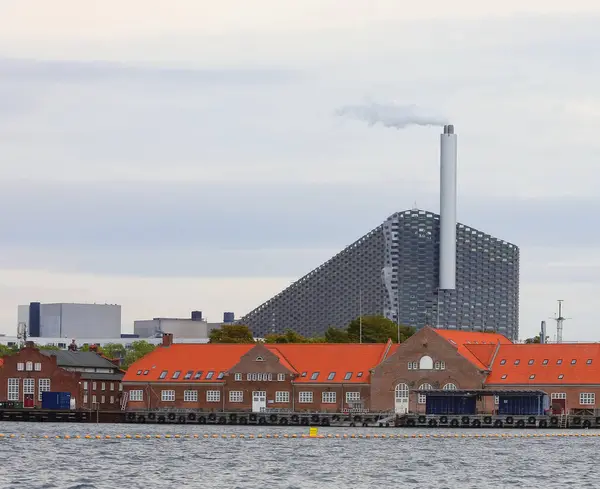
483, 353
462, 340
549, 364
185, 358
337, 360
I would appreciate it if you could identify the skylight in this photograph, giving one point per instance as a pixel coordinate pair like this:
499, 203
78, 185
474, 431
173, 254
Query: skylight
209, 375
559, 361
163, 374
532, 376
139, 372
176, 374
359, 374
504, 376
315, 376
221, 375
589, 362
189, 374
561, 376
545, 362
198, 375
348, 376
146, 372
331, 376
303, 374
573, 362
503, 362
517, 362
530, 362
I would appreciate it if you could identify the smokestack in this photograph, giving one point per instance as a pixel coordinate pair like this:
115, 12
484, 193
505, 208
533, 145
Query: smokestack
448, 209
543, 332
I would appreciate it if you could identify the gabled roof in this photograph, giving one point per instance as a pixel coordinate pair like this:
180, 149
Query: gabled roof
199, 359
333, 363
85, 359
466, 343
547, 363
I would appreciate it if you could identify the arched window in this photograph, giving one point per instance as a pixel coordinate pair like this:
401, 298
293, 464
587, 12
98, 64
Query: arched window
426, 363
29, 366
424, 387
450, 387
401, 392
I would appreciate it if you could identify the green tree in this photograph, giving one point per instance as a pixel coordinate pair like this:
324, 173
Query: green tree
377, 329
336, 335
8, 350
48, 347
138, 349
113, 350
288, 337
535, 339
231, 333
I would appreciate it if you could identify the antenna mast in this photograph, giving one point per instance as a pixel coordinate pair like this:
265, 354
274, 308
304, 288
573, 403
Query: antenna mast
559, 322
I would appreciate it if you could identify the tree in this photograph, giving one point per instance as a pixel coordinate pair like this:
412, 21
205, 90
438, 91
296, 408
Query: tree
8, 350
113, 350
138, 349
336, 335
535, 339
231, 333
288, 337
48, 347
377, 329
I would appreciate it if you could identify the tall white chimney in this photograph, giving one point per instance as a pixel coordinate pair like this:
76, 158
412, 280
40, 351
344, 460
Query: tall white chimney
448, 209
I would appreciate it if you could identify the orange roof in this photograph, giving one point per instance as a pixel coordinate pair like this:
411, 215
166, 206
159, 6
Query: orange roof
555, 363
332, 362
192, 361
465, 341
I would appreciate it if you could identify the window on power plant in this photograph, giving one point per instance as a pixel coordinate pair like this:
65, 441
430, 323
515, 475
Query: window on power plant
190, 396
305, 397
136, 395
213, 396
167, 395
352, 396
236, 396
282, 396
328, 397
587, 398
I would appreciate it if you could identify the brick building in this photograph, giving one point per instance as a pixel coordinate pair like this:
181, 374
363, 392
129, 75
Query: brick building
254, 377
93, 381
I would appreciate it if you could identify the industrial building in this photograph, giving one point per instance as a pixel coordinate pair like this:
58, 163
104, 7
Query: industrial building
417, 268
194, 327
65, 320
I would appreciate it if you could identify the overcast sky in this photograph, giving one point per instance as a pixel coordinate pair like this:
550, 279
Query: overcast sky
170, 156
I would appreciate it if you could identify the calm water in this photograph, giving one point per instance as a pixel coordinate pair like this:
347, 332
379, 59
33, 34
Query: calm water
540, 463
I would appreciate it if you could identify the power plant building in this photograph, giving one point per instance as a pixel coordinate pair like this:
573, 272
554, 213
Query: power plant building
417, 268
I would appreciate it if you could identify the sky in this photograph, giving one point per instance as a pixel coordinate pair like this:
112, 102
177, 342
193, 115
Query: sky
186, 155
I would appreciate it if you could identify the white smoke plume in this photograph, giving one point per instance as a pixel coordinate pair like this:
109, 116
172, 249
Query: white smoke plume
392, 115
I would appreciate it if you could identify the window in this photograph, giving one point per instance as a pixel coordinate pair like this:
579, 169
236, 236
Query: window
136, 395
28, 386
359, 374
167, 395
504, 376
213, 396
496, 399
37, 367
328, 397
85, 386
531, 361
305, 397
573, 362
112, 386
103, 386
559, 361
587, 398
188, 375
558, 395
198, 375
20, 366
221, 375
303, 374
85, 399
102, 400
331, 376
260, 359
352, 396
120, 387
176, 374
93, 399
424, 387
503, 362
449, 387
280, 377
238, 376
139, 372
146, 372
426, 363
236, 396
315, 376
29, 366
440, 365
589, 361
545, 362
282, 396
348, 376
532, 376
112, 399
190, 396
163, 374
93, 386
209, 375
43, 386
517, 362
561, 376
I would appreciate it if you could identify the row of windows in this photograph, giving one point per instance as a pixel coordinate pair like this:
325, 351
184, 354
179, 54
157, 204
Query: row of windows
420, 365
168, 395
29, 366
585, 398
28, 388
267, 377
545, 361
188, 375
102, 386
532, 376
95, 399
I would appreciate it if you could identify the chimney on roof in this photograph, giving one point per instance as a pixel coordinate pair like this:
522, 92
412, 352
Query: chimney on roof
167, 339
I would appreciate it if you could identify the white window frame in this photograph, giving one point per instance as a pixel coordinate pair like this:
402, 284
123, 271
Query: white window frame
85, 399
85, 385
43, 386
167, 395
238, 376
329, 397
20, 366
94, 386
102, 399
120, 387
37, 366
112, 399
282, 397
112, 386
587, 398
13, 389
422, 397
190, 396
213, 396
305, 397
28, 387
558, 395
352, 397
94, 399
29, 366
450, 386
496, 400
236, 396
280, 377
136, 395
103, 386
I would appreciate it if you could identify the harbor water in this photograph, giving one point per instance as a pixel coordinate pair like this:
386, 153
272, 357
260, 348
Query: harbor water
32, 461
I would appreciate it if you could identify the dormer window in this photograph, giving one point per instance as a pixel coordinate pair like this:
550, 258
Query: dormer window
260, 359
